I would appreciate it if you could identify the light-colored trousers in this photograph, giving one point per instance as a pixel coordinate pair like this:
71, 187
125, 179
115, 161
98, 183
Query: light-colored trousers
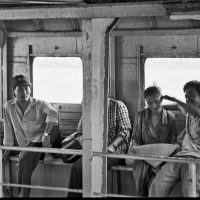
166, 179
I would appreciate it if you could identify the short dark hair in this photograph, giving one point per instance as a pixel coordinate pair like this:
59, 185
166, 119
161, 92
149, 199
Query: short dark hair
192, 84
20, 80
151, 91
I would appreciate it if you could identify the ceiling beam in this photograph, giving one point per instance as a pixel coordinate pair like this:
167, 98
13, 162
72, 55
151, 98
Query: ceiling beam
185, 15
38, 24
40, 1
92, 11
158, 32
45, 34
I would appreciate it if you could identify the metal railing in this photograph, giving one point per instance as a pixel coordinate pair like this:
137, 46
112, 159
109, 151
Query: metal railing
190, 161
41, 150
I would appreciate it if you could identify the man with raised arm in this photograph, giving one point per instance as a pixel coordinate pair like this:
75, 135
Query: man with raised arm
31, 123
171, 173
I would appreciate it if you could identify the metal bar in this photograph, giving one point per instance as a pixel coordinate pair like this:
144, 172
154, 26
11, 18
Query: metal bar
42, 150
183, 54
184, 15
1, 173
156, 158
112, 195
43, 187
79, 152
192, 174
139, 77
56, 55
177, 55
122, 168
56, 161
106, 86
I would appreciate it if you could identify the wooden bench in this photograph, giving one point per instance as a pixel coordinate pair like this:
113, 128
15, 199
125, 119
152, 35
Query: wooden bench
69, 116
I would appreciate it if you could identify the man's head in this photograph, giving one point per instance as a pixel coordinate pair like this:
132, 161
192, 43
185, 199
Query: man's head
152, 96
21, 87
192, 92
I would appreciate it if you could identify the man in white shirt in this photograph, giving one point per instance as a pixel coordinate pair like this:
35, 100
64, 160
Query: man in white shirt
32, 123
171, 173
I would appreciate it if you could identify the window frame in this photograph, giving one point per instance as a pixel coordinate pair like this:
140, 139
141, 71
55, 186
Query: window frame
62, 107
146, 56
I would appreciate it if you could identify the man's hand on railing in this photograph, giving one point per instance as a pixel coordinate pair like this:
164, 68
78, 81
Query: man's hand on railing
46, 141
6, 156
111, 148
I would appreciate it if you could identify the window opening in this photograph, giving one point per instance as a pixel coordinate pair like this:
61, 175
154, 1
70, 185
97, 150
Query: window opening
171, 74
58, 79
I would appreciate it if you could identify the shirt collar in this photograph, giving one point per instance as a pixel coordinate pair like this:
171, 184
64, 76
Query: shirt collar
32, 101
163, 115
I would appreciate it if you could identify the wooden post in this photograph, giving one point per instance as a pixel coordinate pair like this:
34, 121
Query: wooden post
94, 103
192, 174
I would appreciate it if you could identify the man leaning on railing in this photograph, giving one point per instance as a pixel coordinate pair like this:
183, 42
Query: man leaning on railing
34, 123
167, 178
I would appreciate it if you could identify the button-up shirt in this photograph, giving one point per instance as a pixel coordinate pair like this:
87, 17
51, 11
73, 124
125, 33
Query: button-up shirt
145, 133
191, 140
27, 127
118, 124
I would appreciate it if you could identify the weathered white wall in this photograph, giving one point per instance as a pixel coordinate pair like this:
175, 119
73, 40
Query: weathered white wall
126, 47
18, 52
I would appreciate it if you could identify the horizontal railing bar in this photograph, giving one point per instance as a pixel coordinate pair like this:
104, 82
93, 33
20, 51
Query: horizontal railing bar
55, 161
80, 152
122, 168
42, 150
43, 187
154, 158
113, 195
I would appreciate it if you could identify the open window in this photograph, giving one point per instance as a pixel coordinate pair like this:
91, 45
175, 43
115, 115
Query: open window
171, 74
58, 79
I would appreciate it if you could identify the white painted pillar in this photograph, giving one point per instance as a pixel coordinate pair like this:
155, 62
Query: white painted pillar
192, 175
94, 103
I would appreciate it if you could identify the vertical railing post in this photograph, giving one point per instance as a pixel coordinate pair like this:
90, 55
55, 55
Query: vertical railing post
192, 174
1, 173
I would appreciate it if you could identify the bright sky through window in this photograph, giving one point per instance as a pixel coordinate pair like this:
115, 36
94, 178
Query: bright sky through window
171, 74
58, 79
